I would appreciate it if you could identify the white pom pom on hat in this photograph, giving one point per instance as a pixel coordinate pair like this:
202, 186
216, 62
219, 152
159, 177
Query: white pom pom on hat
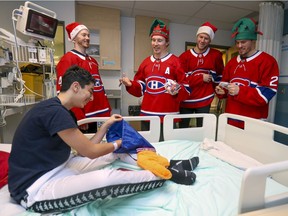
207, 28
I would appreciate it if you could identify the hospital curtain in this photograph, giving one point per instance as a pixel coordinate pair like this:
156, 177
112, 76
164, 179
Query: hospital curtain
271, 21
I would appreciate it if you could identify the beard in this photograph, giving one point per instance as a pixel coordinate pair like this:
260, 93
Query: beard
202, 48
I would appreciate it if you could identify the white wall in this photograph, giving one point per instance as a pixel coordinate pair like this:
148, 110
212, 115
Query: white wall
6, 9
127, 59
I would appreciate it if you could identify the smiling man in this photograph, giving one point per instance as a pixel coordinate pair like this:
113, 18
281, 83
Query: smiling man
251, 77
41, 165
79, 35
203, 67
45, 176
160, 78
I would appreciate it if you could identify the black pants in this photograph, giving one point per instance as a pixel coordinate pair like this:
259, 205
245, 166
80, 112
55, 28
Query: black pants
184, 123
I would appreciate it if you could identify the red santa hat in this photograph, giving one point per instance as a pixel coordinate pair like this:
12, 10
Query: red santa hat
73, 29
207, 28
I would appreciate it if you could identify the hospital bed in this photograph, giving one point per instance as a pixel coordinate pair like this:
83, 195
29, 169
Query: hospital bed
240, 170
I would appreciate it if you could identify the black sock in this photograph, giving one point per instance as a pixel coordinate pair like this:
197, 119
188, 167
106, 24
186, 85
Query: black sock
188, 165
183, 176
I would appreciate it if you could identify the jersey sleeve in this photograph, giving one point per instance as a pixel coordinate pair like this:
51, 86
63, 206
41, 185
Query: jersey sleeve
225, 78
138, 84
219, 67
61, 68
185, 89
266, 89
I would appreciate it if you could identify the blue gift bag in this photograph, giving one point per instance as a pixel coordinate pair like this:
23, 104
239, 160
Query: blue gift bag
131, 139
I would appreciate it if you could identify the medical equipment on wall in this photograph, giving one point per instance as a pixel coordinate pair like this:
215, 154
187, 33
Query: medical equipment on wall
37, 21
8, 36
40, 25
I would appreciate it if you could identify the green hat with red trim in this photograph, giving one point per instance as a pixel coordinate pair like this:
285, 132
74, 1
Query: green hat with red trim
245, 29
158, 27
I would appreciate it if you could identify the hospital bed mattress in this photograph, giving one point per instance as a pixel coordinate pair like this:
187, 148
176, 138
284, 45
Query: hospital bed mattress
215, 193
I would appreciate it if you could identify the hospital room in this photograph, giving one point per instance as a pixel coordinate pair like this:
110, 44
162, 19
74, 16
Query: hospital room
143, 108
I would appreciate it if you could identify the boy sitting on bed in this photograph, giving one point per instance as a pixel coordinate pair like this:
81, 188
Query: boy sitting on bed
43, 174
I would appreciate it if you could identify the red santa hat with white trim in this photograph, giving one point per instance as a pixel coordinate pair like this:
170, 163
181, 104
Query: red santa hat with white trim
73, 29
208, 29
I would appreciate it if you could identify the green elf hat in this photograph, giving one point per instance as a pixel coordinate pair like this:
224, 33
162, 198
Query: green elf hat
158, 27
245, 29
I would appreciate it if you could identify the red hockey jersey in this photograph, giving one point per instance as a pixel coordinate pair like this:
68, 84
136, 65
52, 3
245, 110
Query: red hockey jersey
195, 65
100, 106
257, 77
150, 80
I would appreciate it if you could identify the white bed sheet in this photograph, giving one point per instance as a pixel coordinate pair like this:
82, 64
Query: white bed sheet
215, 192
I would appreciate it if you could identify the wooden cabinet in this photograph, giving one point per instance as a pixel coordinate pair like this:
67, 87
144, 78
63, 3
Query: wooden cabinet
105, 22
110, 49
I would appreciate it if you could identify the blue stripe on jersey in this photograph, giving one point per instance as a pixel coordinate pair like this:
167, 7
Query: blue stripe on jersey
266, 93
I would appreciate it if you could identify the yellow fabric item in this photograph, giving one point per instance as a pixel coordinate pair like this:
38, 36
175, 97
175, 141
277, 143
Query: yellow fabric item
150, 160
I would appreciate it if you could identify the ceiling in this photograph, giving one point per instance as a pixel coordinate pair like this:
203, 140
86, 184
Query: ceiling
222, 14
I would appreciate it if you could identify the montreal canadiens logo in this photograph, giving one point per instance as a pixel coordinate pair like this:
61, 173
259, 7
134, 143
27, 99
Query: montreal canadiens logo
98, 85
155, 85
241, 81
198, 72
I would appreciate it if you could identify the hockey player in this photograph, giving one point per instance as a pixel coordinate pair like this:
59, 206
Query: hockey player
100, 107
160, 78
250, 80
203, 67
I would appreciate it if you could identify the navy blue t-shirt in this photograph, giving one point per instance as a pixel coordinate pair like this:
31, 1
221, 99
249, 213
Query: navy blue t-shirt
36, 146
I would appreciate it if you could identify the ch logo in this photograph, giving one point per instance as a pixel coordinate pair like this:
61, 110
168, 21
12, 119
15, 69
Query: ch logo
98, 86
155, 84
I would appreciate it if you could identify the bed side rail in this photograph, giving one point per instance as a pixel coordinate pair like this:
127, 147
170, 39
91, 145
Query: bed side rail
152, 135
255, 140
252, 194
208, 129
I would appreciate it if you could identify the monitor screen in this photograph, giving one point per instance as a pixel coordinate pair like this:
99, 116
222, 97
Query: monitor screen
41, 24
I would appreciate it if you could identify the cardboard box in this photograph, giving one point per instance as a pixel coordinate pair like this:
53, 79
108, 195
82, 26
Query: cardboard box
34, 82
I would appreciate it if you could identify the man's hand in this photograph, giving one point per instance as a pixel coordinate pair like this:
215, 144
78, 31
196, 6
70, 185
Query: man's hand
233, 89
219, 90
113, 118
224, 85
207, 78
172, 87
119, 143
124, 80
